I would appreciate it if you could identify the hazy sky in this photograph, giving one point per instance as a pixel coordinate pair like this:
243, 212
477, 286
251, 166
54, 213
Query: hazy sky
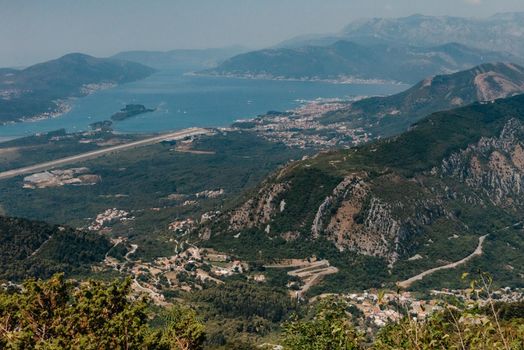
37, 30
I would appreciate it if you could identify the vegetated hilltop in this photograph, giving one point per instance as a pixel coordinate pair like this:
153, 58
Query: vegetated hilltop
393, 114
405, 204
42, 89
345, 60
36, 249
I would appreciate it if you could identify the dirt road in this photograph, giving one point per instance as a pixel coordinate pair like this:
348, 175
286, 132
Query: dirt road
407, 283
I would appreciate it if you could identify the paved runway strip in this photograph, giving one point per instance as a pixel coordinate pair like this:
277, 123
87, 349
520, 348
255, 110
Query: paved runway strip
94, 154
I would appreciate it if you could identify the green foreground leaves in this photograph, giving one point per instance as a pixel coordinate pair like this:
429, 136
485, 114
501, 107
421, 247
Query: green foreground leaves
59, 314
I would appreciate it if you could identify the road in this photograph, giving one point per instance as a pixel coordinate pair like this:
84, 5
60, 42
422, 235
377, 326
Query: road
407, 283
94, 154
311, 273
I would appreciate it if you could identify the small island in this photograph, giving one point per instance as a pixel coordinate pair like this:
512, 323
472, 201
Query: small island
130, 111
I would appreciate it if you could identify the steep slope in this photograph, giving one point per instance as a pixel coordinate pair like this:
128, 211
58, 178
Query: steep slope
345, 60
40, 90
36, 249
402, 205
389, 115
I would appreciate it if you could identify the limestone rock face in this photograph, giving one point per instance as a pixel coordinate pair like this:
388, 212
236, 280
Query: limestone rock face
370, 201
493, 166
258, 210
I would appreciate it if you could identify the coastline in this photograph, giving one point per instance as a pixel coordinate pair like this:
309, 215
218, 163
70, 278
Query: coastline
63, 106
7, 138
300, 93
342, 80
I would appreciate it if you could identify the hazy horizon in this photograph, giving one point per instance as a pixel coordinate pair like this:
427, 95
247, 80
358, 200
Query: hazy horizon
36, 31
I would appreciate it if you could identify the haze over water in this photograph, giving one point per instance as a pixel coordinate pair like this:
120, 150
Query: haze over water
184, 101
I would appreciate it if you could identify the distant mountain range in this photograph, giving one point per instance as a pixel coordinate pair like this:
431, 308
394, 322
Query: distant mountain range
395, 49
393, 114
41, 90
404, 205
181, 59
350, 61
501, 32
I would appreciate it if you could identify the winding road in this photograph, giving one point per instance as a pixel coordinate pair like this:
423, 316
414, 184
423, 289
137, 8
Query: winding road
310, 273
407, 283
181, 134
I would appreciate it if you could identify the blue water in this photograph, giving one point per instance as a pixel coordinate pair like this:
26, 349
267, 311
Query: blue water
185, 101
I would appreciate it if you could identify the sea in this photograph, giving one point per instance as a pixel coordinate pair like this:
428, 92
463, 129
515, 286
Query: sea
183, 100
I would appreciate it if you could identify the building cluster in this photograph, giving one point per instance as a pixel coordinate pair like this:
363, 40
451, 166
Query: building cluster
88, 89
58, 178
182, 226
209, 216
187, 270
8, 94
381, 308
61, 107
210, 193
304, 127
506, 295
109, 217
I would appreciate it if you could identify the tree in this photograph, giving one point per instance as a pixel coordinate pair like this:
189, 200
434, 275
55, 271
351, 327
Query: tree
57, 314
182, 330
62, 314
329, 329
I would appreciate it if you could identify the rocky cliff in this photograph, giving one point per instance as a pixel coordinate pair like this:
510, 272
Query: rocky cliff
453, 177
493, 166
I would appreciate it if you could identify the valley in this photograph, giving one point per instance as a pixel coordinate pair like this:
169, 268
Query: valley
204, 206
359, 190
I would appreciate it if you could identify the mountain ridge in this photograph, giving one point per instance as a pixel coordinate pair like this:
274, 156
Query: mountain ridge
350, 61
499, 32
431, 191
385, 116
432, 28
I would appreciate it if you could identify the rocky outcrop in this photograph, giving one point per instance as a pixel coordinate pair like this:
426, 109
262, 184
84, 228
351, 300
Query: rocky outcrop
258, 211
354, 216
366, 226
352, 185
356, 220
385, 214
494, 166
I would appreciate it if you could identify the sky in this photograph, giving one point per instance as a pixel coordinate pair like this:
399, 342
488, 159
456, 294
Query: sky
37, 30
